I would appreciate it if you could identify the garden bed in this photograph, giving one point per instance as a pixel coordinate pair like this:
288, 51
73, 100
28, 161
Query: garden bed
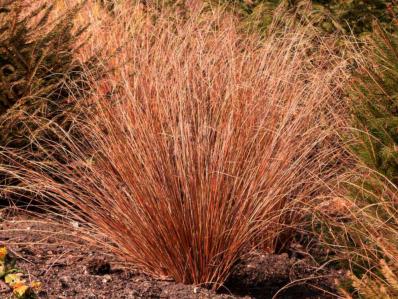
69, 268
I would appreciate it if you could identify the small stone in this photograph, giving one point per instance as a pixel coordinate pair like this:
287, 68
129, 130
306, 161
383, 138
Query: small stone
106, 278
196, 290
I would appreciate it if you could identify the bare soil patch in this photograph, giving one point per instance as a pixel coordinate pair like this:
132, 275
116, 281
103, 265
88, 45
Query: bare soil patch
69, 268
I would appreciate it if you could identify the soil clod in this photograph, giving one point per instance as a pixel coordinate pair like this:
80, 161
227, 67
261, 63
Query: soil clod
98, 266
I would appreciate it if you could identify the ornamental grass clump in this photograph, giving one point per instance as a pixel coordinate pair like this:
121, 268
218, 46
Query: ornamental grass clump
207, 144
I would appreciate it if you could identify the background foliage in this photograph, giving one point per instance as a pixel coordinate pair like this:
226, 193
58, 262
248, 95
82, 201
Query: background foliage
367, 236
37, 62
349, 16
39, 70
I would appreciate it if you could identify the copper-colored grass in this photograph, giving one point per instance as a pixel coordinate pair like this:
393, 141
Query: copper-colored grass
206, 144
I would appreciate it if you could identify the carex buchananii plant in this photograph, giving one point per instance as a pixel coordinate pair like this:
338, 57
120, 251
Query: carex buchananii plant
206, 144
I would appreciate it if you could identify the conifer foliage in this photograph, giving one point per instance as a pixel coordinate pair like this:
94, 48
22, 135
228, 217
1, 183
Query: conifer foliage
352, 16
375, 106
37, 58
329, 15
372, 236
39, 70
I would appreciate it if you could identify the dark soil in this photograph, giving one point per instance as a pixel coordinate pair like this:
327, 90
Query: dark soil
68, 268
264, 275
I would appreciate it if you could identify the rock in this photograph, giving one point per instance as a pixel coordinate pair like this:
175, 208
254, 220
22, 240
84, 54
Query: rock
106, 278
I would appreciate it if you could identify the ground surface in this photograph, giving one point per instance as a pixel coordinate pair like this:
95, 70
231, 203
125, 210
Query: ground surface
68, 268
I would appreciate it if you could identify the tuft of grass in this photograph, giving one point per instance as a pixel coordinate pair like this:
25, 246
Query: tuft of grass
207, 144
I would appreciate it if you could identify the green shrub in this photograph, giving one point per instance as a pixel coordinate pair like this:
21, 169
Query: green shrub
39, 69
330, 15
375, 105
37, 63
367, 235
353, 16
